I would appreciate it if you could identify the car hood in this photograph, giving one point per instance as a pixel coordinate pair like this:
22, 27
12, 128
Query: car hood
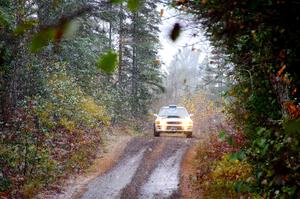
173, 119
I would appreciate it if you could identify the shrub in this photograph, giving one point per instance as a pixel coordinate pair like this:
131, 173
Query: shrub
52, 135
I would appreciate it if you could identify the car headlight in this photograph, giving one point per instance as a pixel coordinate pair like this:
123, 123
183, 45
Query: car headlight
187, 122
159, 122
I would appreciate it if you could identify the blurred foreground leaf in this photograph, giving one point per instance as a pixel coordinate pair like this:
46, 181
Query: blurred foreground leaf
133, 5
71, 28
25, 26
175, 31
50, 34
108, 62
42, 39
117, 1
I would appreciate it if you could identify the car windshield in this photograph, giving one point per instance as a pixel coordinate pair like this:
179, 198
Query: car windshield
173, 112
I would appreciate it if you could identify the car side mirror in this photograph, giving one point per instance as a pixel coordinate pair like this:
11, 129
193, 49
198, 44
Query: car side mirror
155, 115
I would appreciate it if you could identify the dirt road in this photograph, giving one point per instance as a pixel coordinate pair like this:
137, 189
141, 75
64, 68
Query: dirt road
149, 168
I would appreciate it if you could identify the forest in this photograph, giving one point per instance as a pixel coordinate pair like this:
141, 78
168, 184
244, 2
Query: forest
72, 71
58, 93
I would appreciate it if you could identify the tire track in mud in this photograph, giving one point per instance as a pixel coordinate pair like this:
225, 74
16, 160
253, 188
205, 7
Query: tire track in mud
149, 168
147, 165
164, 180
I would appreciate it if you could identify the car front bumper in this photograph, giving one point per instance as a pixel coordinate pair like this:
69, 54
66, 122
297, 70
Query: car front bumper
173, 128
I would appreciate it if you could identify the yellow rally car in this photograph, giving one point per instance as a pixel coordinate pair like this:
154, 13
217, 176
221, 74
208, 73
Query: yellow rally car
173, 119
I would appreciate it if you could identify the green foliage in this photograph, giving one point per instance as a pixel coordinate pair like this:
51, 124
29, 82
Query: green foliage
229, 178
292, 127
5, 18
56, 104
240, 156
22, 152
222, 170
274, 155
263, 99
108, 61
222, 135
69, 103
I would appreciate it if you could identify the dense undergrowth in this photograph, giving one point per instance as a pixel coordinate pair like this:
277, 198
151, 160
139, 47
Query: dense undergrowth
221, 168
260, 42
48, 139
59, 91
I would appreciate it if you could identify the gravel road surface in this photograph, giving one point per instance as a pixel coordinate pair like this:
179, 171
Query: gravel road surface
148, 169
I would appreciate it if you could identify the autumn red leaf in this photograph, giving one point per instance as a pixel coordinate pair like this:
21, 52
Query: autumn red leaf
281, 70
292, 109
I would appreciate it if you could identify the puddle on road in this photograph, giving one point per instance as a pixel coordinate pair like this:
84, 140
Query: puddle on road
110, 184
164, 180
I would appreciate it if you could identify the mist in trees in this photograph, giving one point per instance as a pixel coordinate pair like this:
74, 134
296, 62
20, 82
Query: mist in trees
182, 75
189, 72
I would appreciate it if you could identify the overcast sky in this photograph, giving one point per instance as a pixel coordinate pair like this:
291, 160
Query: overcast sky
168, 47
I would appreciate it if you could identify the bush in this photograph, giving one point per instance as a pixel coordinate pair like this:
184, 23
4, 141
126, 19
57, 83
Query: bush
228, 178
51, 135
222, 170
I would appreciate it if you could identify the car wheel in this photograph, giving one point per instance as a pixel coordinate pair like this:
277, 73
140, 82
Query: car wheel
189, 135
156, 134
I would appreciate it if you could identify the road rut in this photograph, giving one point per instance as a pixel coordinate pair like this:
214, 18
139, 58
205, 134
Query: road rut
148, 169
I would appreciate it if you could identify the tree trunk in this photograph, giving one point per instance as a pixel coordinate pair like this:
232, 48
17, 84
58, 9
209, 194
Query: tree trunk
134, 103
120, 44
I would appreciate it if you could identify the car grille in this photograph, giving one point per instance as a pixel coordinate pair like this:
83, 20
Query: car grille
173, 122
174, 128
